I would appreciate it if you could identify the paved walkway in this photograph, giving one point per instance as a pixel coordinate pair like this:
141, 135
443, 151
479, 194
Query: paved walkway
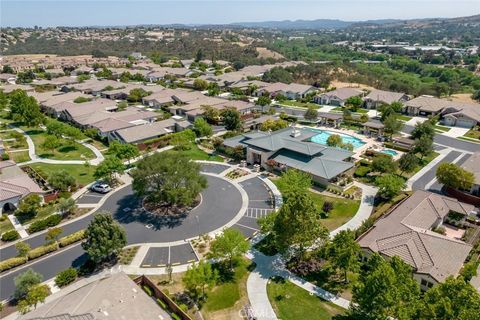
455, 132
442, 154
34, 158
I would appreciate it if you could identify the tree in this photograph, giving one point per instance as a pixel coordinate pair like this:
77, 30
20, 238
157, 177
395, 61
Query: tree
391, 125
108, 168
66, 205
169, 178
455, 177
344, 252
51, 142
273, 125
230, 245
327, 206
425, 128
199, 55
355, 102
364, 118
469, 270
61, 180
29, 206
123, 151
213, 89
423, 145
384, 164
182, 140
7, 69
263, 101
293, 181
386, 289
297, 225
211, 114
453, 299
25, 281
200, 84
311, 114
37, 294
202, 128
104, 237
200, 277
137, 94
231, 118
23, 249
476, 95
334, 140
389, 185
408, 162
52, 235
24, 108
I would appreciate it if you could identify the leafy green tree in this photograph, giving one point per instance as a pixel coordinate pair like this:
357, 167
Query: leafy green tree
423, 145
231, 118
137, 94
425, 128
230, 245
28, 206
334, 140
408, 162
311, 114
211, 114
384, 164
199, 277
389, 185
469, 270
202, 128
25, 281
169, 178
104, 237
200, 84
22, 248
66, 205
389, 109
123, 151
293, 181
263, 101
213, 89
37, 294
476, 95
454, 176
104, 73
354, 102
61, 180
51, 142
108, 168
25, 109
182, 140
82, 100
392, 125
453, 299
123, 105
344, 252
53, 234
7, 69
199, 55
385, 289
273, 125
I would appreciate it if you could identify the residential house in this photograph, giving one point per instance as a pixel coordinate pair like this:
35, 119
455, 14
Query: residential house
407, 232
140, 133
337, 97
472, 164
378, 97
14, 186
159, 99
292, 91
292, 148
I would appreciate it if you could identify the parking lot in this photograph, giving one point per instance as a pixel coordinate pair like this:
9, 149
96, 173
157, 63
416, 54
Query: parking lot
90, 197
175, 255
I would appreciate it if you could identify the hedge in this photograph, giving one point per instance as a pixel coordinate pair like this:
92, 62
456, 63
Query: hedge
72, 238
175, 316
10, 235
162, 304
41, 251
66, 277
362, 171
11, 263
148, 290
43, 224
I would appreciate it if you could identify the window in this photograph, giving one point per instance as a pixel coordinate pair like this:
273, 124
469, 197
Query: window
424, 282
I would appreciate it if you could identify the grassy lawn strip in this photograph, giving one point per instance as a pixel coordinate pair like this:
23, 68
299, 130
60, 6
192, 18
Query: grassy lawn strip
83, 174
294, 103
404, 118
195, 153
343, 209
470, 139
67, 151
473, 133
291, 302
442, 128
19, 157
5, 224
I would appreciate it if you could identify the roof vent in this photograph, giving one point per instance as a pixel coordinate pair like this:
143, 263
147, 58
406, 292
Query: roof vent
295, 132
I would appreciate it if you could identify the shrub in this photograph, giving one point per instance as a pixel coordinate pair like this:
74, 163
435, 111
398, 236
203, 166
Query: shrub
162, 304
11, 263
148, 290
72, 238
175, 316
10, 235
183, 307
5, 156
66, 277
43, 224
41, 251
362, 171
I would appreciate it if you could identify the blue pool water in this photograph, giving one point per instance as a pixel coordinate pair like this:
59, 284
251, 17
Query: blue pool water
390, 152
322, 136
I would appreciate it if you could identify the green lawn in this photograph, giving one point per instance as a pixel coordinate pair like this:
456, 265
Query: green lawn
473, 133
442, 128
83, 174
359, 110
343, 209
41, 214
5, 224
67, 151
195, 153
294, 103
404, 118
291, 302
19, 157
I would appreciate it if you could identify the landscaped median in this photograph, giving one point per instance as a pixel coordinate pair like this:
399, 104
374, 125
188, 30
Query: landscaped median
42, 250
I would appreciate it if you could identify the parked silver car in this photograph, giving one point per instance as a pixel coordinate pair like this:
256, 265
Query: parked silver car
101, 188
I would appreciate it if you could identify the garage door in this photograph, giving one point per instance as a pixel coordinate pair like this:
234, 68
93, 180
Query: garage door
464, 123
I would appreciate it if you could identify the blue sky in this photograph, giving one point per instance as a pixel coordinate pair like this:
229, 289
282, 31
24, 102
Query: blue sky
110, 12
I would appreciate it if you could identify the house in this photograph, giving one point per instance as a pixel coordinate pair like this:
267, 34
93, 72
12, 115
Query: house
95, 87
407, 232
82, 70
112, 296
292, 148
337, 97
461, 115
292, 91
8, 78
378, 97
425, 106
14, 186
140, 133
472, 164
159, 99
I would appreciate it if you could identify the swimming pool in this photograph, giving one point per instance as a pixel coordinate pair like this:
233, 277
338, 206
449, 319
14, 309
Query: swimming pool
390, 152
322, 136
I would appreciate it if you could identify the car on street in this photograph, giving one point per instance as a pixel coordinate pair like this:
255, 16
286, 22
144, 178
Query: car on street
101, 188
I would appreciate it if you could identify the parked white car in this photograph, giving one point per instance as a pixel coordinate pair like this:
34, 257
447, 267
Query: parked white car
101, 188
